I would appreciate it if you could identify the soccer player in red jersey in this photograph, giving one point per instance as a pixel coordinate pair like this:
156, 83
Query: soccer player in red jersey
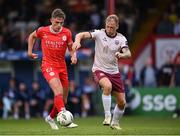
55, 39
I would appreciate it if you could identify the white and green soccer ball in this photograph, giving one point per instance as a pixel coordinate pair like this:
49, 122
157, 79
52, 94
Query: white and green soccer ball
65, 118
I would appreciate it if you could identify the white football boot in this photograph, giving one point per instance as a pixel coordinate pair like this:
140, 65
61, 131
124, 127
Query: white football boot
51, 122
107, 120
116, 126
72, 125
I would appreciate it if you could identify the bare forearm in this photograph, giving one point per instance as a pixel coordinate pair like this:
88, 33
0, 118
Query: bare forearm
31, 41
78, 38
73, 53
82, 35
126, 54
73, 57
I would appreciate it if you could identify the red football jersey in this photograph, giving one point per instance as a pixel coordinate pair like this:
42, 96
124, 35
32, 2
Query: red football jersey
54, 45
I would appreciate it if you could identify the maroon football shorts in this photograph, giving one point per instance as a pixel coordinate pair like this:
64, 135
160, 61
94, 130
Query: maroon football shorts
117, 83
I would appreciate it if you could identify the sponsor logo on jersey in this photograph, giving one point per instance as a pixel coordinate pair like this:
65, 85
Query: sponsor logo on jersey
48, 70
104, 39
44, 36
51, 73
64, 38
53, 44
116, 42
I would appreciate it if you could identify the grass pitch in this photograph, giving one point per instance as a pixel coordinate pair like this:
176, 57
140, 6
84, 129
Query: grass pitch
131, 125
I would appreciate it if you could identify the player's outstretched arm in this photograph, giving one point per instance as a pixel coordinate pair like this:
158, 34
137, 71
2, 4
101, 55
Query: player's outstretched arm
31, 41
125, 54
72, 54
78, 38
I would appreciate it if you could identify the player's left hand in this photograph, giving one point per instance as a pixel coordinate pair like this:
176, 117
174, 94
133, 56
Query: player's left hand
119, 55
73, 60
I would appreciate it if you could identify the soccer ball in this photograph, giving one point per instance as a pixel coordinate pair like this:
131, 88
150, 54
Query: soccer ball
65, 118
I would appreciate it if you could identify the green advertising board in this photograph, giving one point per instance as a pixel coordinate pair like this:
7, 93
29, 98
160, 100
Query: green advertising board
146, 101
155, 101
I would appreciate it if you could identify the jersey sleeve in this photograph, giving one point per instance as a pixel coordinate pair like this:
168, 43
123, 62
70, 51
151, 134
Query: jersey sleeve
124, 43
69, 37
95, 33
39, 32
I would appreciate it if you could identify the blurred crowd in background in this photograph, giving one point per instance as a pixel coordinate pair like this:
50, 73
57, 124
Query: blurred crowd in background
21, 17
170, 21
20, 100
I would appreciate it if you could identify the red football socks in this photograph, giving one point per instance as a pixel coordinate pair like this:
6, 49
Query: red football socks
58, 102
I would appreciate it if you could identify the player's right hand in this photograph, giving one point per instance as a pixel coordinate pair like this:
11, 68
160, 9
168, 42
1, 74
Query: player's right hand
33, 55
73, 60
76, 45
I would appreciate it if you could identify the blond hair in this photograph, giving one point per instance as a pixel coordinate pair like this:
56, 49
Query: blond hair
113, 17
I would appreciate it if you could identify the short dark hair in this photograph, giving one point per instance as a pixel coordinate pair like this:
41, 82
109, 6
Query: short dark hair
58, 13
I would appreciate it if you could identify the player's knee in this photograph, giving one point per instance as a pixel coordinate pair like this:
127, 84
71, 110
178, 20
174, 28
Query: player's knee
122, 104
107, 88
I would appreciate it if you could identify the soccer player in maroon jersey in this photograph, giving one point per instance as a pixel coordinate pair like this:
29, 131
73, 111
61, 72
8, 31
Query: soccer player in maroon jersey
109, 47
55, 39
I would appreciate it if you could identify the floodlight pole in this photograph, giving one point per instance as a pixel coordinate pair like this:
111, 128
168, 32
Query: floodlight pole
110, 6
